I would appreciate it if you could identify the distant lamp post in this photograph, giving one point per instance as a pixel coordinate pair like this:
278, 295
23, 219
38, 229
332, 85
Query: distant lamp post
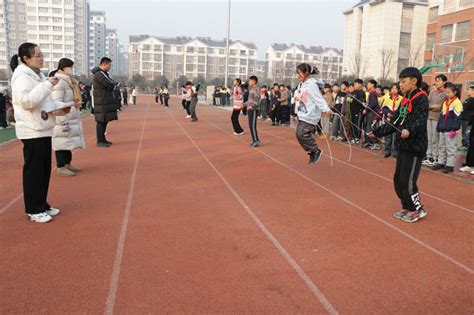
227, 48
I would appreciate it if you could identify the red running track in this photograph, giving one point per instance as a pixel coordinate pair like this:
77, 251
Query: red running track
178, 217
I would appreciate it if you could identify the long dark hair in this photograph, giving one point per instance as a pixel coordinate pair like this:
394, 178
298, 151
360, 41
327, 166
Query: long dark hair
25, 50
307, 69
63, 63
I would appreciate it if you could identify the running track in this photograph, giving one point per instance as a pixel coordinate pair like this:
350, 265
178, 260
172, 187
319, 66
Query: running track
187, 218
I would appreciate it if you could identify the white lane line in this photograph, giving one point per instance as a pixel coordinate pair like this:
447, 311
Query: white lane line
367, 212
20, 195
377, 175
114, 279
307, 280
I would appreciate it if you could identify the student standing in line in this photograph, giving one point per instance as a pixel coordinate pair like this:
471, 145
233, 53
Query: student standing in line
370, 114
263, 108
468, 116
325, 121
357, 106
310, 105
284, 105
449, 125
436, 98
134, 95
275, 105
68, 132
389, 107
252, 106
410, 118
237, 96
31, 94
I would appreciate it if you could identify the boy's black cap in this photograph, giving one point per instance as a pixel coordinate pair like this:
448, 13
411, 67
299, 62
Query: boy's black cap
412, 72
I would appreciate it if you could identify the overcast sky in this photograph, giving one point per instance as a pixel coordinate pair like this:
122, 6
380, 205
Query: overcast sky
310, 22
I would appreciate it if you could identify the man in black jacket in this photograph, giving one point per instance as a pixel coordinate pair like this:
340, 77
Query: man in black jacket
105, 106
410, 119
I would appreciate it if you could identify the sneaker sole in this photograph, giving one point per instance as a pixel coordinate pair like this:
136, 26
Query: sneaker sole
315, 162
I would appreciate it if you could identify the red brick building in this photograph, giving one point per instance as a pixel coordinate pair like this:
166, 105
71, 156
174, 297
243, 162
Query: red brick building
451, 22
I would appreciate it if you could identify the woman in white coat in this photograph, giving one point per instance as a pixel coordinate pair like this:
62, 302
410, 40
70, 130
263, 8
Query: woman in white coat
68, 132
32, 102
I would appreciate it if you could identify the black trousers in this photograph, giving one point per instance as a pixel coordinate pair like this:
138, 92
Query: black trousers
305, 134
356, 121
284, 114
166, 98
252, 114
188, 105
63, 157
161, 99
369, 118
36, 174
156, 99
275, 115
101, 128
406, 175
183, 103
3, 118
235, 121
470, 150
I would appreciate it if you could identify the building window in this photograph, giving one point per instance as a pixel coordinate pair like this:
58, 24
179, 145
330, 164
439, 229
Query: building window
462, 30
278, 55
201, 50
430, 40
449, 5
433, 15
446, 33
466, 3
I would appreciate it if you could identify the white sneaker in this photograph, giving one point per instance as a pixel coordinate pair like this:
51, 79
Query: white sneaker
53, 211
189, 116
42, 217
239, 134
466, 169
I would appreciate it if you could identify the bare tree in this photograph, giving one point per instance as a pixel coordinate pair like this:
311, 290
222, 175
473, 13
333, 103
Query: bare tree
357, 65
454, 74
414, 55
388, 63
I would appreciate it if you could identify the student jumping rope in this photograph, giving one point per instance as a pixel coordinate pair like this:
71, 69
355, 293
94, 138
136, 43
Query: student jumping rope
237, 96
410, 120
310, 105
251, 104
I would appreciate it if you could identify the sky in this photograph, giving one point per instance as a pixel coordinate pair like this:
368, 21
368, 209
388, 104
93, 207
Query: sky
310, 22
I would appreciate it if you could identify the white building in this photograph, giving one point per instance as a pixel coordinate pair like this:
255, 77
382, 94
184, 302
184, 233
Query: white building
384, 36
59, 27
114, 51
282, 60
152, 56
97, 36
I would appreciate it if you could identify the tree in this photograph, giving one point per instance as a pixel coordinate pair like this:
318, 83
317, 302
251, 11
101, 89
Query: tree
414, 56
159, 81
388, 64
357, 65
200, 80
139, 81
217, 82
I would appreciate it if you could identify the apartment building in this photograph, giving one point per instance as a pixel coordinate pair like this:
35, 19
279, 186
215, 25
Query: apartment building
59, 27
451, 23
152, 56
114, 51
282, 60
97, 38
384, 36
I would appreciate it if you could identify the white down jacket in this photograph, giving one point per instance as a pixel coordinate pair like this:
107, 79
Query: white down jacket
31, 93
68, 133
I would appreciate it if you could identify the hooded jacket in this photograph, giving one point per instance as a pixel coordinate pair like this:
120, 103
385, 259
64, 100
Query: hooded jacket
31, 94
105, 104
311, 102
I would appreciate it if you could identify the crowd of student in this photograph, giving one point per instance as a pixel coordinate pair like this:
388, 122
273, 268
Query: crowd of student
359, 108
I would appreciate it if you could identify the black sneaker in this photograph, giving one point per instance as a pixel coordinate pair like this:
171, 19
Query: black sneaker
314, 157
437, 167
103, 145
387, 155
108, 142
448, 169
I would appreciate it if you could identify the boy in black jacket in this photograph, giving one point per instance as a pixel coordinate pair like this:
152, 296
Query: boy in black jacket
411, 119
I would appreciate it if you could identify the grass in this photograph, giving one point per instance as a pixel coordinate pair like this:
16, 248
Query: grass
7, 134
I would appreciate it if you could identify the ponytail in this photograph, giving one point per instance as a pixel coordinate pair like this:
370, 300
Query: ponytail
14, 62
307, 69
52, 73
25, 50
